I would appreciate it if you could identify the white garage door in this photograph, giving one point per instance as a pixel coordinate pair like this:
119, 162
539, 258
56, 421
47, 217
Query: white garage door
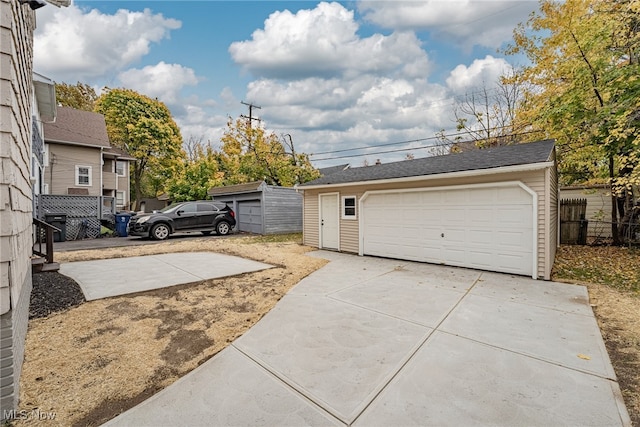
488, 228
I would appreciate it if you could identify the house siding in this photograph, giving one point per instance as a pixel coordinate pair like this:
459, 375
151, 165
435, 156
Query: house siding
60, 173
281, 207
552, 176
282, 210
310, 219
17, 24
349, 229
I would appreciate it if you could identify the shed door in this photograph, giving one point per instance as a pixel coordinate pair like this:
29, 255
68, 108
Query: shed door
250, 216
488, 228
329, 221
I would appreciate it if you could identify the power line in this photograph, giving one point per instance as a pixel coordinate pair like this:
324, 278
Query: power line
398, 142
408, 149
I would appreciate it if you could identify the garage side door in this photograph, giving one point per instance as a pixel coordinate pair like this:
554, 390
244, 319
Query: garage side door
250, 216
488, 228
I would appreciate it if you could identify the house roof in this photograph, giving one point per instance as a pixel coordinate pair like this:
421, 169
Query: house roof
118, 153
235, 189
490, 158
77, 127
332, 169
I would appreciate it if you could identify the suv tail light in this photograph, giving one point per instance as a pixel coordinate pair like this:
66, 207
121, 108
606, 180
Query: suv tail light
232, 213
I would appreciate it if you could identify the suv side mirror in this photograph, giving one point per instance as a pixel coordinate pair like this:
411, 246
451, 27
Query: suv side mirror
179, 212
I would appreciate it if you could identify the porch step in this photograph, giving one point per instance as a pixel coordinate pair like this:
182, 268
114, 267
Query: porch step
39, 265
50, 267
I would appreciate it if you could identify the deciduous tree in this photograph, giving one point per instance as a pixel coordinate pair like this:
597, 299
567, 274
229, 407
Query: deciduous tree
196, 174
145, 128
249, 153
585, 89
80, 96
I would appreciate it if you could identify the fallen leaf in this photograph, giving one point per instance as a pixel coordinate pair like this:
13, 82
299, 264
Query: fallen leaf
584, 356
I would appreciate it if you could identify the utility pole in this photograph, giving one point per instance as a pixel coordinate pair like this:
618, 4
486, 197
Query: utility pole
251, 107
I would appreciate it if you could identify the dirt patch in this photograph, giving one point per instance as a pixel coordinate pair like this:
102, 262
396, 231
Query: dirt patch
612, 276
93, 361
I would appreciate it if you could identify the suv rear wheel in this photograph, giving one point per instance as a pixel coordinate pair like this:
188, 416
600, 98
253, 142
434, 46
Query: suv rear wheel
160, 231
223, 228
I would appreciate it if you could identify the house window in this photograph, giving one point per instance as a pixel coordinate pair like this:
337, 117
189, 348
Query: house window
349, 207
83, 175
119, 199
121, 168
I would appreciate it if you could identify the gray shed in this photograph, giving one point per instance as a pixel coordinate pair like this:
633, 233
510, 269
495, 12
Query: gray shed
261, 208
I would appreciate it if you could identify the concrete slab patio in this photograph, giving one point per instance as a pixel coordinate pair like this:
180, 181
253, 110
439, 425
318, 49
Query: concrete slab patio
366, 341
120, 276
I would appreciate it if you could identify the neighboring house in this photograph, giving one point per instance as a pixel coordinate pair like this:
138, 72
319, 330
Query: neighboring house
79, 159
598, 207
26, 99
494, 209
261, 208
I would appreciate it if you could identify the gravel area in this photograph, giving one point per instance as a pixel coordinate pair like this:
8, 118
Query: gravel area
53, 292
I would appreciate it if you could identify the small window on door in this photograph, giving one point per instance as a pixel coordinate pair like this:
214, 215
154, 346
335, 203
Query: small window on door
349, 207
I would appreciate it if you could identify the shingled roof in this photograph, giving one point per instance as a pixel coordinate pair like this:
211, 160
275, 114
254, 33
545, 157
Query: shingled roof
332, 169
77, 127
490, 158
249, 187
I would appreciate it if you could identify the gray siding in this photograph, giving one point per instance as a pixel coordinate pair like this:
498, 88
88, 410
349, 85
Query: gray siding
60, 173
17, 23
282, 210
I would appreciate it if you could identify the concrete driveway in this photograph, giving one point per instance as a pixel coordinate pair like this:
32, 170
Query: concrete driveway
366, 341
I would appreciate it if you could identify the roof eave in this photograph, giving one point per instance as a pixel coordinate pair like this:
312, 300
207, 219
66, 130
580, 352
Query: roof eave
461, 174
79, 144
229, 193
45, 94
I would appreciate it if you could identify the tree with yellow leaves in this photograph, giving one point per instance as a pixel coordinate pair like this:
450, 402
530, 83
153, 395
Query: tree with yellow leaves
249, 153
585, 90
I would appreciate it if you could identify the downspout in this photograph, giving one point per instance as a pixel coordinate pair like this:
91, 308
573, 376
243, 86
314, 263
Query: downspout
101, 204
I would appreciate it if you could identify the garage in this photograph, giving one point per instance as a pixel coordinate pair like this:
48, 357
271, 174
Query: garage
261, 208
491, 209
484, 227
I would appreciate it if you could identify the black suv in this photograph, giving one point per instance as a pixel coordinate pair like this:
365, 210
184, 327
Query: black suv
203, 215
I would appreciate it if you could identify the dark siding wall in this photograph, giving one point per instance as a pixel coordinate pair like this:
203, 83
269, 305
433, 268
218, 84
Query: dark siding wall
282, 210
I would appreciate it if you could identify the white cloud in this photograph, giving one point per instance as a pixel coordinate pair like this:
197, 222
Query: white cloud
322, 42
73, 45
484, 72
163, 81
470, 23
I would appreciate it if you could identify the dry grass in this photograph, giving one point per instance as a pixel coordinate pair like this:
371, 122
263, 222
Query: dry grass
96, 360
612, 276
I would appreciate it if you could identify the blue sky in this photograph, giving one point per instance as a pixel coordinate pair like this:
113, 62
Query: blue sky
333, 75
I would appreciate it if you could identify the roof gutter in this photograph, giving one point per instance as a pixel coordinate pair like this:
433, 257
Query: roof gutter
78, 144
450, 175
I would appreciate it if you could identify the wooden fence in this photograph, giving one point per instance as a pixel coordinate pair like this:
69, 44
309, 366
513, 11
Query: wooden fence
573, 225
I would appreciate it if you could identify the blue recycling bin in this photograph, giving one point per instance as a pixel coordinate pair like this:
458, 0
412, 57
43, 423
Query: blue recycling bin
122, 221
